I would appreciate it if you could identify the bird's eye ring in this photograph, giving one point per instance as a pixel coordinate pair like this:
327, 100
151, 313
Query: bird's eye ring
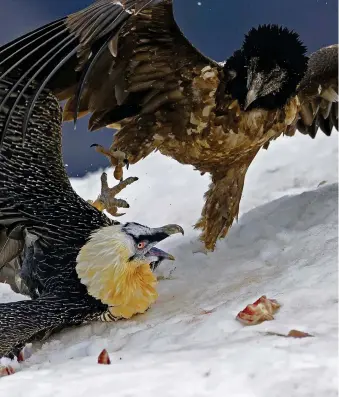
142, 244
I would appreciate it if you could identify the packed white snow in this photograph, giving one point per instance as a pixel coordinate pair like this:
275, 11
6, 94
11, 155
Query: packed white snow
284, 246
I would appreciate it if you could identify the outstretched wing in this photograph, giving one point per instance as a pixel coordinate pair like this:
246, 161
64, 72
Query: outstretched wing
115, 59
318, 93
35, 192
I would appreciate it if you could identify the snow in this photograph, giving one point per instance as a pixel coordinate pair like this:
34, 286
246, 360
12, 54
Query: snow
284, 246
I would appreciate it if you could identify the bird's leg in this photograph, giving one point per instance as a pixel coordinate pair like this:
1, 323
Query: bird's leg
106, 199
222, 203
135, 141
116, 157
221, 206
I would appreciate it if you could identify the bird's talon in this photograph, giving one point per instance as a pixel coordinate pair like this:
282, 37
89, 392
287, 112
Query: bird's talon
131, 179
117, 158
107, 198
119, 203
118, 173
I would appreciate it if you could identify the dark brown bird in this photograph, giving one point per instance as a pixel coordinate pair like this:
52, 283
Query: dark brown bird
129, 65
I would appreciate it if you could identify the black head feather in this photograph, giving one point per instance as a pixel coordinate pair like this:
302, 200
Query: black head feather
268, 50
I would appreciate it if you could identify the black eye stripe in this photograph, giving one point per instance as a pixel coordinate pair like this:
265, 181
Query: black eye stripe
150, 238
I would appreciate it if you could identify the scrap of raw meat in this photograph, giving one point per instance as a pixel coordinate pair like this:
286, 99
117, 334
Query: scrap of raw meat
294, 333
104, 358
6, 370
261, 310
23, 355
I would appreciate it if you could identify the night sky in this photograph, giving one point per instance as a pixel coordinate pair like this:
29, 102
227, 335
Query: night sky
216, 27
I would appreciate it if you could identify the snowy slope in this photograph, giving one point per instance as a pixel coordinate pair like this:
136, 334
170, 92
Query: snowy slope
284, 246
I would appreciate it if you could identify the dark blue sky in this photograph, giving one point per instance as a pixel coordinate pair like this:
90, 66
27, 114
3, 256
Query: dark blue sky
216, 27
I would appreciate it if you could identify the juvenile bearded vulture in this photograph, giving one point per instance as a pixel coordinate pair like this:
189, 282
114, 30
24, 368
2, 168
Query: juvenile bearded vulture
128, 64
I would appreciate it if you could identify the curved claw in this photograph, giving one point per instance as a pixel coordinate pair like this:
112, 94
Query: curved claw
121, 203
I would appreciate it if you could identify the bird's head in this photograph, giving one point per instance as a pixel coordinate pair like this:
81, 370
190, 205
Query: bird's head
144, 239
115, 265
265, 72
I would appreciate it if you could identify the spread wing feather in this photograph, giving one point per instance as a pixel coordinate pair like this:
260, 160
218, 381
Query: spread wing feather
120, 59
115, 59
318, 93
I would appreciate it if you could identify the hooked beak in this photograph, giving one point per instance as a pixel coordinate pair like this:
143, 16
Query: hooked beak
160, 254
159, 234
250, 98
169, 230
253, 90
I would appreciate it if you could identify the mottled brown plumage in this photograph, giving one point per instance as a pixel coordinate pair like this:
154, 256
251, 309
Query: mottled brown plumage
136, 72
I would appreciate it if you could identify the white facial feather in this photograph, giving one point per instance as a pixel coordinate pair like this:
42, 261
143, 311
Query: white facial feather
105, 264
107, 246
136, 229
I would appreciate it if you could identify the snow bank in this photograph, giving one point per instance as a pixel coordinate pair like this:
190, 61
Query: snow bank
284, 246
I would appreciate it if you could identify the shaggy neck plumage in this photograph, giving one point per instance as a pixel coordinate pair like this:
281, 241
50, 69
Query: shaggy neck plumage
272, 46
104, 266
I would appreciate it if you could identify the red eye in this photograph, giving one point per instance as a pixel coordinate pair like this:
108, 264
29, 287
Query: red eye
142, 245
